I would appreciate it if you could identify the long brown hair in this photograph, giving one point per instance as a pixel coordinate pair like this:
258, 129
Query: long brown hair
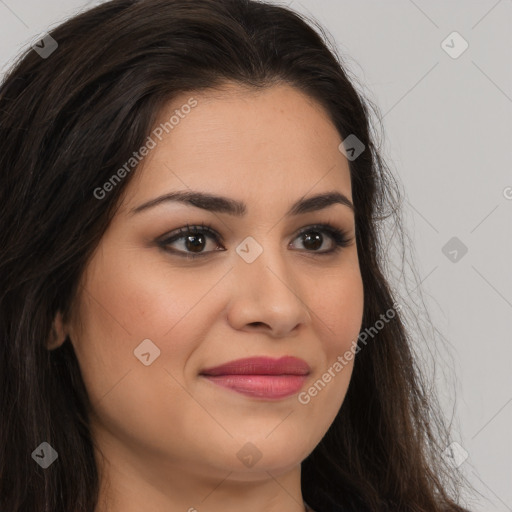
68, 121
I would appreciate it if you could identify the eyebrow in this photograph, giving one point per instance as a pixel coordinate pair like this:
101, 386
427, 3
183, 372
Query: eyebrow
220, 204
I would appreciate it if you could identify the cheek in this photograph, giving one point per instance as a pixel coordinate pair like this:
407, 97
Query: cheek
128, 300
337, 309
119, 310
338, 312
127, 303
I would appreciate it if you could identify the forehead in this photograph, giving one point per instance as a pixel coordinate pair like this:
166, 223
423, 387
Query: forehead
264, 143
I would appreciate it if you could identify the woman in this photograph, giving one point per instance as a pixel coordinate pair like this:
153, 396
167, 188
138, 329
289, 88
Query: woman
194, 313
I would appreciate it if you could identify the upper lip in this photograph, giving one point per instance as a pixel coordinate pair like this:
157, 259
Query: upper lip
287, 365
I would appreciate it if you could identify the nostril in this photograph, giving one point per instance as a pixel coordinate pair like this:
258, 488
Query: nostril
257, 324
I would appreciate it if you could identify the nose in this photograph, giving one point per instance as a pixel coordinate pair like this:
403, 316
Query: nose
268, 294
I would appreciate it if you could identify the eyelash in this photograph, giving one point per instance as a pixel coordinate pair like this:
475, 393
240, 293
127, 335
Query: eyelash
340, 238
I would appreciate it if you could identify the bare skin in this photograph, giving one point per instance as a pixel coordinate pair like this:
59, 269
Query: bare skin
169, 436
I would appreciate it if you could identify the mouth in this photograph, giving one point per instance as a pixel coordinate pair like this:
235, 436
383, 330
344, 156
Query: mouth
261, 377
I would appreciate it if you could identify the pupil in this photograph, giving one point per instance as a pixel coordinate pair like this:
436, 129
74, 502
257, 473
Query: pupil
315, 241
191, 245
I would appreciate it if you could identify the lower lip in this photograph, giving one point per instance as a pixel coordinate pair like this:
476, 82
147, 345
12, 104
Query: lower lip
261, 386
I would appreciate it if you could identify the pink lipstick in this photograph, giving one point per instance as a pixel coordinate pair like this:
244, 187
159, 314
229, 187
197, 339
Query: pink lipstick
261, 377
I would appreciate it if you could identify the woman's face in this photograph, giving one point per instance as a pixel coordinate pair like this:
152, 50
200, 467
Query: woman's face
154, 320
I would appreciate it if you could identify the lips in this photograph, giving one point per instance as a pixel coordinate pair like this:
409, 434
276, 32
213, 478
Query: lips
287, 365
261, 377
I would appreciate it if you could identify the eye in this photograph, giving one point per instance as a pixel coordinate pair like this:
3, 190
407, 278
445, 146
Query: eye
193, 240
312, 238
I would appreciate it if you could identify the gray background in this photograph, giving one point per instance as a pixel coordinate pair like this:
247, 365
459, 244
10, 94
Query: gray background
448, 128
